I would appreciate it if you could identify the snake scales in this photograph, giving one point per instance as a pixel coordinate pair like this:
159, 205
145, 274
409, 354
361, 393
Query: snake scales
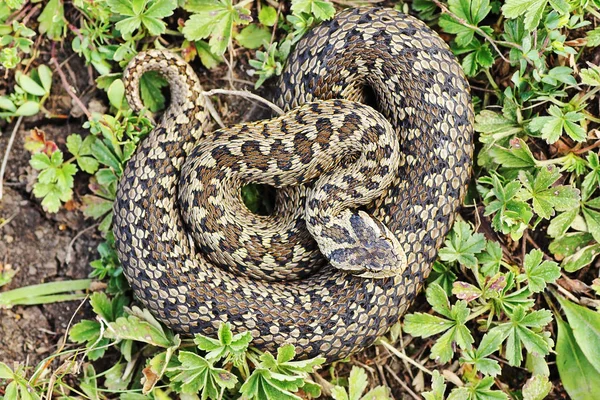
289, 294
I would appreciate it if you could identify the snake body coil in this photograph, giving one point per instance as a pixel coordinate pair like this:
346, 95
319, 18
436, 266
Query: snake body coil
287, 294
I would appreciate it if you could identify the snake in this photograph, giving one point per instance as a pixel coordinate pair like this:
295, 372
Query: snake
370, 163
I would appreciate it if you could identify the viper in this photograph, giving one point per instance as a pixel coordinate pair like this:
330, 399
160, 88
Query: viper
370, 163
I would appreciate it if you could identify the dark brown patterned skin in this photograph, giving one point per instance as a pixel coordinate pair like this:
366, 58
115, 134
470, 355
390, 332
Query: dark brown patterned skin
419, 87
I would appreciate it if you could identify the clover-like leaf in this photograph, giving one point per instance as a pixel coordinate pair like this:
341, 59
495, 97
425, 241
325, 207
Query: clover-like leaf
215, 19
426, 325
539, 273
559, 121
198, 375
321, 9
546, 197
532, 9
228, 346
524, 329
462, 245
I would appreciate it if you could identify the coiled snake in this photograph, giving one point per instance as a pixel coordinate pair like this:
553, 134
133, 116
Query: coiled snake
408, 169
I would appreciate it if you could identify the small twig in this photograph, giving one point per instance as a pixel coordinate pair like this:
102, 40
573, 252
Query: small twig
69, 88
213, 112
70, 246
564, 291
586, 149
402, 383
246, 94
402, 356
7, 221
477, 29
6, 154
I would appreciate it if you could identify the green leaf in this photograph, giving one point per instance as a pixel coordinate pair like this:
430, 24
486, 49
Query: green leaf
230, 347
552, 126
105, 156
31, 86
465, 291
539, 273
283, 364
592, 180
462, 245
146, 330
438, 387
253, 36
559, 224
116, 93
45, 75
88, 332
117, 379
438, 299
531, 9
518, 156
471, 11
511, 216
40, 161
425, 325
214, 18
494, 126
208, 59
591, 76
547, 198
339, 393
5, 372
52, 196
197, 375
585, 325
582, 258
536, 388
82, 150
478, 390
7, 104
96, 207
151, 86
357, 383
84, 331
579, 378
52, 20
489, 344
519, 333
490, 259
561, 74
267, 16
102, 306
28, 109
593, 37
322, 10
592, 220
142, 12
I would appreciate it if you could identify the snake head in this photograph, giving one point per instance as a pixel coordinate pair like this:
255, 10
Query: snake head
372, 250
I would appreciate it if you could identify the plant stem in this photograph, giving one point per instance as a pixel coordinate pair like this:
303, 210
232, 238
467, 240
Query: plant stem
382, 341
8, 147
477, 29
